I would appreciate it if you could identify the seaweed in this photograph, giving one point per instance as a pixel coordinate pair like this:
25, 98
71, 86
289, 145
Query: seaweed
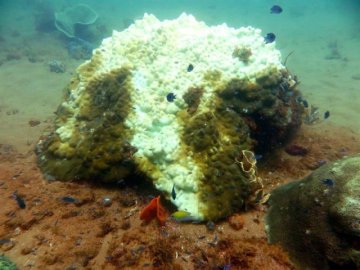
7, 264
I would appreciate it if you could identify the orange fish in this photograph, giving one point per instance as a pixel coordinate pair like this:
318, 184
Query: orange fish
154, 210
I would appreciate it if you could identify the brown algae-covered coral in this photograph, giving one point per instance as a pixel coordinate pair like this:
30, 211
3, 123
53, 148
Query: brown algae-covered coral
116, 120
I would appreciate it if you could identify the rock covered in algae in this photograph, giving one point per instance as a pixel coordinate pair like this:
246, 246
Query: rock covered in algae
317, 219
117, 117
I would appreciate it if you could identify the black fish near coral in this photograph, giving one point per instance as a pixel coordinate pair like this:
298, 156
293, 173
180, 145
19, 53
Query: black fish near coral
190, 68
19, 200
329, 182
269, 38
173, 193
305, 103
275, 9
326, 114
170, 97
68, 199
4, 241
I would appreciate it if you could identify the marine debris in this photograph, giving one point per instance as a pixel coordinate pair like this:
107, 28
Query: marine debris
67, 20
192, 122
154, 210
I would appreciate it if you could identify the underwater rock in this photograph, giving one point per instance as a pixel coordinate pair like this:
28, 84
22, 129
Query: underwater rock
79, 49
34, 122
56, 66
317, 219
13, 55
117, 119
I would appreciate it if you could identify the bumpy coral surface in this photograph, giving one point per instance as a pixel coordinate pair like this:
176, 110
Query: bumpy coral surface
177, 101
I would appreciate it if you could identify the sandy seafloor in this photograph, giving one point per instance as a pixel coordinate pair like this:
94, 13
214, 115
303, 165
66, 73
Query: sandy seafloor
50, 234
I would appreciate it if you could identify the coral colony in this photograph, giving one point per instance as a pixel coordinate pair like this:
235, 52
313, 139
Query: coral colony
183, 103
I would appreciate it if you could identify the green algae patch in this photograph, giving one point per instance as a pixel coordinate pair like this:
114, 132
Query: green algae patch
7, 264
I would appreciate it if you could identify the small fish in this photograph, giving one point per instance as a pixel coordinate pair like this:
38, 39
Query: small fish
173, 193
305, 103
210, 225
170, 97
269, 38
68, 199
190, 68
329, 182
180, 214
20, 201
276, 9
183, 216
326, 114
4, 241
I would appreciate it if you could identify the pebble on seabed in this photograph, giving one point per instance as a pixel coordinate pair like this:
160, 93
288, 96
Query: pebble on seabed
106, 201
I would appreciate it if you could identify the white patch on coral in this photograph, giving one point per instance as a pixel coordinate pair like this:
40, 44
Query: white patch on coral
158, 53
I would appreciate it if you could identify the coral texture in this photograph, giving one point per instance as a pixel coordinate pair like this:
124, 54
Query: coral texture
170, 100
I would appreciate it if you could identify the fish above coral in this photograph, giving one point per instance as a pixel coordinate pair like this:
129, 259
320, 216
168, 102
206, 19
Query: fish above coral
276, 9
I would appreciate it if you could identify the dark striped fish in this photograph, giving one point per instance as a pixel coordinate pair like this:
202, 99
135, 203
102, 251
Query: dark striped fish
19, 200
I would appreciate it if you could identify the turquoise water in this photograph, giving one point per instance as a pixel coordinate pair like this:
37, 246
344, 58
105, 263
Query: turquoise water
312, 30
320, 41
